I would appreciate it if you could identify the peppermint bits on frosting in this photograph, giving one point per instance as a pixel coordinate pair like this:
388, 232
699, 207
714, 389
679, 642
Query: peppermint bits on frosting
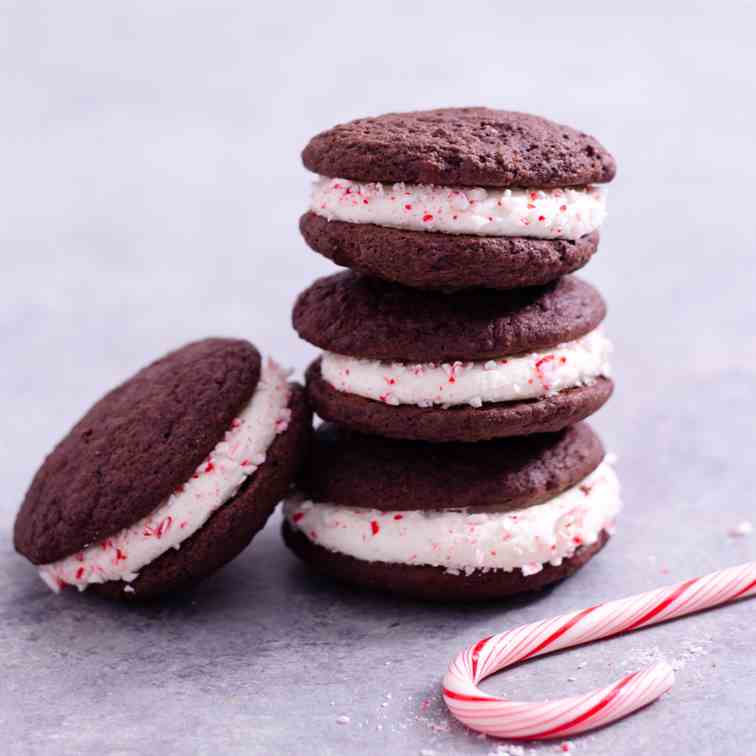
450, 384
462, 541
543, 214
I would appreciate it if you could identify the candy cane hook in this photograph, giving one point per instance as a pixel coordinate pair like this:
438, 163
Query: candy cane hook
568, 716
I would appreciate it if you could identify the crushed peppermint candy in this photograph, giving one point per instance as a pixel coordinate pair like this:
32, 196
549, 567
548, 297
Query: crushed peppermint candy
547, 214
448, 384
744, 528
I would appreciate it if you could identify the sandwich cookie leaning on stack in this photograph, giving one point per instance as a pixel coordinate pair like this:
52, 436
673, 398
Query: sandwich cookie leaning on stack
457, 197
452, 521
169, 475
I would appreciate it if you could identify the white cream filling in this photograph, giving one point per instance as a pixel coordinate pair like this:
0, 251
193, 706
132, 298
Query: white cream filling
528, 376
216, 480
542, 214
526, 539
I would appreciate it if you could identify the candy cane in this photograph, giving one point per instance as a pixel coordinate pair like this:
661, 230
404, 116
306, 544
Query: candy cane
568, 716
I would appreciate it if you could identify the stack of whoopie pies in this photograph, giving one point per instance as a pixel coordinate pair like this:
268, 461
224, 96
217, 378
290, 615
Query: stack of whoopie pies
460, 356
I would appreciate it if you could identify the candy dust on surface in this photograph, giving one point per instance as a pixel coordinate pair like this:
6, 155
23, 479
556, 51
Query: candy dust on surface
742, 529
425, 715
513, 749
687, 652
508, 750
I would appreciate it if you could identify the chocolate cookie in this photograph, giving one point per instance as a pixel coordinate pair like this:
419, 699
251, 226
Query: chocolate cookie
460, 147
355, 470
460, 423
433, 583
446, 261
355, 315
142, 471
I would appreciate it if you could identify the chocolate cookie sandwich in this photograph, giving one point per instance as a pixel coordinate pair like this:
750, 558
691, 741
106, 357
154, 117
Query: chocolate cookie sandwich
169, 475
468, 366
457, 197
452, 521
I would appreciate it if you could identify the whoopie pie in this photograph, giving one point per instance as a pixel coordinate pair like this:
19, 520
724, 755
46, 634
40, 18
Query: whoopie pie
468, 366
457, 197
169, 475
452, 521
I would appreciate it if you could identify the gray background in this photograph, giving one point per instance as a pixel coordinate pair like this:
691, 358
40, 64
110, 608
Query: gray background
150, 187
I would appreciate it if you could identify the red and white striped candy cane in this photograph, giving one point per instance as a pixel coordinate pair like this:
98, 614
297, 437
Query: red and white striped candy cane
568, 716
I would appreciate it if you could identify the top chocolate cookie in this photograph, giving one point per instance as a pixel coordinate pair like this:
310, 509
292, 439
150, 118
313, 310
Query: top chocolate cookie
135, 446
460, 147
356, 315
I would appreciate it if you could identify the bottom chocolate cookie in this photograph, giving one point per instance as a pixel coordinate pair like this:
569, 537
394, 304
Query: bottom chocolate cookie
445, 261
433, 583
460, 423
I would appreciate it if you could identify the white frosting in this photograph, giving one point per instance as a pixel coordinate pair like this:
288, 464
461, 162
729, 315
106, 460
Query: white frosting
526, 539
528, 376
543, 214
215, 481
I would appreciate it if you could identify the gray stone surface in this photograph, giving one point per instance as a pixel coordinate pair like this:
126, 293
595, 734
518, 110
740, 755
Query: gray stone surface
150, 190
